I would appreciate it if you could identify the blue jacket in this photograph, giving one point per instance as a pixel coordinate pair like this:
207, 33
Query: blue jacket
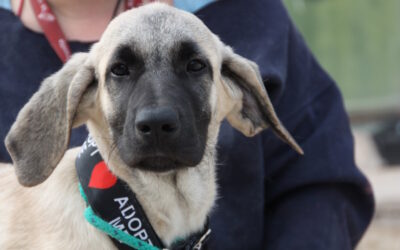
270, 197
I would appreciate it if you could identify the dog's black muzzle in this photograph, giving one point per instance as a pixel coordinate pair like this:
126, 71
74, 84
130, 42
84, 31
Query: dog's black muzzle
162, 121
162, 138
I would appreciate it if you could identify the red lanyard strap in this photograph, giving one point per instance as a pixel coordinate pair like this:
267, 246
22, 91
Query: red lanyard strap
20, 7
129, 4
51, 28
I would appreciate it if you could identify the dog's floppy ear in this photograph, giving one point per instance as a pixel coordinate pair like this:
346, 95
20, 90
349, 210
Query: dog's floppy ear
40, 135
251, 109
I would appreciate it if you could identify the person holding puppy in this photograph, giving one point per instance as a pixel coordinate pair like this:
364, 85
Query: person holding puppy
271, 198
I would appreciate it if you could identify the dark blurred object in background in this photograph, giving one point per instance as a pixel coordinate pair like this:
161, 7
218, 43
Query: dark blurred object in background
387, 139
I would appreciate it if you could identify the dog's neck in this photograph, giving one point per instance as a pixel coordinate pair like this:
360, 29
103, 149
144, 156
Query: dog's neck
177, 202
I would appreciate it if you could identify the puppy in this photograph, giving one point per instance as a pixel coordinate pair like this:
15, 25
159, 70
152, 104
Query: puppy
152, 92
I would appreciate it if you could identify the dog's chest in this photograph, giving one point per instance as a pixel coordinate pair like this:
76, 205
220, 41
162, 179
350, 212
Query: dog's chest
177, 204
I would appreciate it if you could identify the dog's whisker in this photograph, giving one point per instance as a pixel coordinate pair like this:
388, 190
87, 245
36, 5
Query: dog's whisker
113, 147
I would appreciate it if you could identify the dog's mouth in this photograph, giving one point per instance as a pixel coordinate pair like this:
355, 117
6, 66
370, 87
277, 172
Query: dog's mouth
155, 158
159, 164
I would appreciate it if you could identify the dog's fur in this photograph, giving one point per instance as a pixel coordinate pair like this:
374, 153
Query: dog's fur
176, 200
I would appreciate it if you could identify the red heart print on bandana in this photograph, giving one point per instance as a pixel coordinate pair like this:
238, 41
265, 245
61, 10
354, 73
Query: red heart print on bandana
101, 177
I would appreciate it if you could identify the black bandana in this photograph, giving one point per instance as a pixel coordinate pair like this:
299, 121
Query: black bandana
113, 202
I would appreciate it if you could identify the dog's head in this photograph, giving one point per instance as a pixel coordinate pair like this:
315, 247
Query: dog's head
158, 84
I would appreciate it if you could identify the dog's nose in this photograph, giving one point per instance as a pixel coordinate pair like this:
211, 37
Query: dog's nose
158, 122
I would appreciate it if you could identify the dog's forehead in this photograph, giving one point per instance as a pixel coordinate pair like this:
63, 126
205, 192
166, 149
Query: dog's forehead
156, 26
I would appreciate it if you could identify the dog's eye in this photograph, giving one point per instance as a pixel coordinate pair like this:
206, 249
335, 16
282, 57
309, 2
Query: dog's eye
195, 65
120, 69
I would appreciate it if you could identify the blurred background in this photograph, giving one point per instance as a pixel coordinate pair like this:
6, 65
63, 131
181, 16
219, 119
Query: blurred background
358, 43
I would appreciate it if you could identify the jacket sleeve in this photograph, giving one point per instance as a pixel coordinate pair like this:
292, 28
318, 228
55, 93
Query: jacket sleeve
319, 200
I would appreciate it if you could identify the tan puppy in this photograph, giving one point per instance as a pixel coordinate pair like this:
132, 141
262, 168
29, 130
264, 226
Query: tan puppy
152, 92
